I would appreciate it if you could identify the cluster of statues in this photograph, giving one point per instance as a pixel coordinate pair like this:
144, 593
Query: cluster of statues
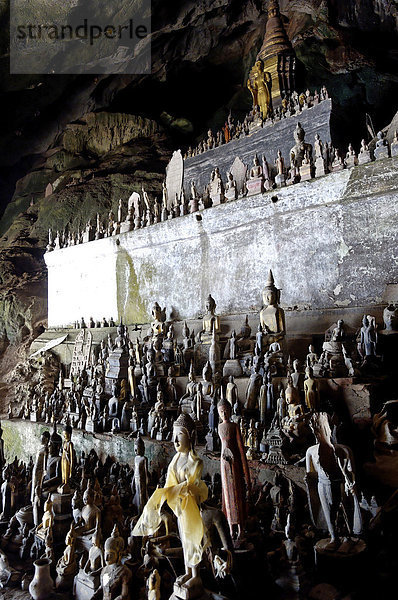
261, 115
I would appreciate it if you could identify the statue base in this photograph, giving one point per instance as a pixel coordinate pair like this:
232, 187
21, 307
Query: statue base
305, 173
232, 367
34, 416
91, 426
346, 560
364, 157
188, 593
394, 149
231, 195
382, 152
280, 180
85, 587
64, 582
217, 199
212, 442
320, 167
351, 161
255, 186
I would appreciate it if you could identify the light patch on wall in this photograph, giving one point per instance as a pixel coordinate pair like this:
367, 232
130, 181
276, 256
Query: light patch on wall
343, 303
343, 250
337, 289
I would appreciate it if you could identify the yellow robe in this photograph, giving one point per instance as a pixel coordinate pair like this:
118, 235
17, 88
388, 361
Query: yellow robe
185, 506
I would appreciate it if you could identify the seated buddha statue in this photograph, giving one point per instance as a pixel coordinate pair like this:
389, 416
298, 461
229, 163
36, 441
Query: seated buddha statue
272, 316
211, 321
90, 569
47, 521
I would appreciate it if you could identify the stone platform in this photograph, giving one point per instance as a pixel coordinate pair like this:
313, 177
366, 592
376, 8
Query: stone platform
330, 243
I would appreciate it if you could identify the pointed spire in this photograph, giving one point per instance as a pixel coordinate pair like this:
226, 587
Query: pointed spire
270, 280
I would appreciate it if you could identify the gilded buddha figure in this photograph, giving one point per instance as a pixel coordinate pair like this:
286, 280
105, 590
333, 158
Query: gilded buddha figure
259, 84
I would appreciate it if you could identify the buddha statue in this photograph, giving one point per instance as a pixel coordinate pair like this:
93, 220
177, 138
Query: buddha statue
255, 183
231, 191
140, 482
158, 326
115, 577
48, 519
207, 384
211, 321
40, 463
311, 391
259, 83
91, 514
301, 149
67, 460
184, 492
272, 317
90, 568
186, 401
53, 475
67, 565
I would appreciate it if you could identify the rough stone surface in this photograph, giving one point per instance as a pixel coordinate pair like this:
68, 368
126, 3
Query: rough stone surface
329, 243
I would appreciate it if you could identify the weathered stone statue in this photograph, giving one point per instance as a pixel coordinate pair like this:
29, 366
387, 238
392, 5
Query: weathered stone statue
272, 317
382, 149
216, 187
301, 148
368, 338
184, 491
87, 581
115, 577
390, 317
211, 321
253, 388
91, 514
364, 153
330, 481
140, 485
235, 477
53, 475
231, 192
67, 566
255, 183
40, 464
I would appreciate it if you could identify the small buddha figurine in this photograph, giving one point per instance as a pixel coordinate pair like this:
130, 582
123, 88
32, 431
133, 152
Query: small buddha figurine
91, 514
95, 561
48, 519
311, 390
256, 171
67, 460
211, 321
312, 358
140, 482
207, 384
154, 585
272, 316
115, 577
67, 565
40, 463
251, 441
231, 393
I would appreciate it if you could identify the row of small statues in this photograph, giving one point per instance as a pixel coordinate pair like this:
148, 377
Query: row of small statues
290, 106
306, 162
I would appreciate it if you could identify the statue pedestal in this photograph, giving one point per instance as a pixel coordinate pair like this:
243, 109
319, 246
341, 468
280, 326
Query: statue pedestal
351, 161
217, 199
320, 167
394, 149
91, 426
305, 172
382, 152
84, 587
364, 157
232, 367
255, 186
183, 593
34, 416
280, 180
126, 226
346, 561
63, 514
231, 194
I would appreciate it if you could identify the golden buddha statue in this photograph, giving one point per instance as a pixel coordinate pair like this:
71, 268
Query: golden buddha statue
184, 492
47, 521
67, 460
272, 316
259, 84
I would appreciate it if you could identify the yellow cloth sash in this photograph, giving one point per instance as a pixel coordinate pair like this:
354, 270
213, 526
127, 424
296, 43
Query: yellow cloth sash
183, 499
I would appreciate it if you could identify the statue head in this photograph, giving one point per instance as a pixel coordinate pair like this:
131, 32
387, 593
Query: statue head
390, 317
299, 134
183, 433
156, 312
309, 371
207, 372
271, 294
139, 446
224, 410
67, 433
210, 304
112, 551
70, 536
88, 496
296, 365
45, 438
48, 503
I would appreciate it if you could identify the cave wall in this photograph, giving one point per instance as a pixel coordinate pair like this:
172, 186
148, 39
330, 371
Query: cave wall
329, 242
